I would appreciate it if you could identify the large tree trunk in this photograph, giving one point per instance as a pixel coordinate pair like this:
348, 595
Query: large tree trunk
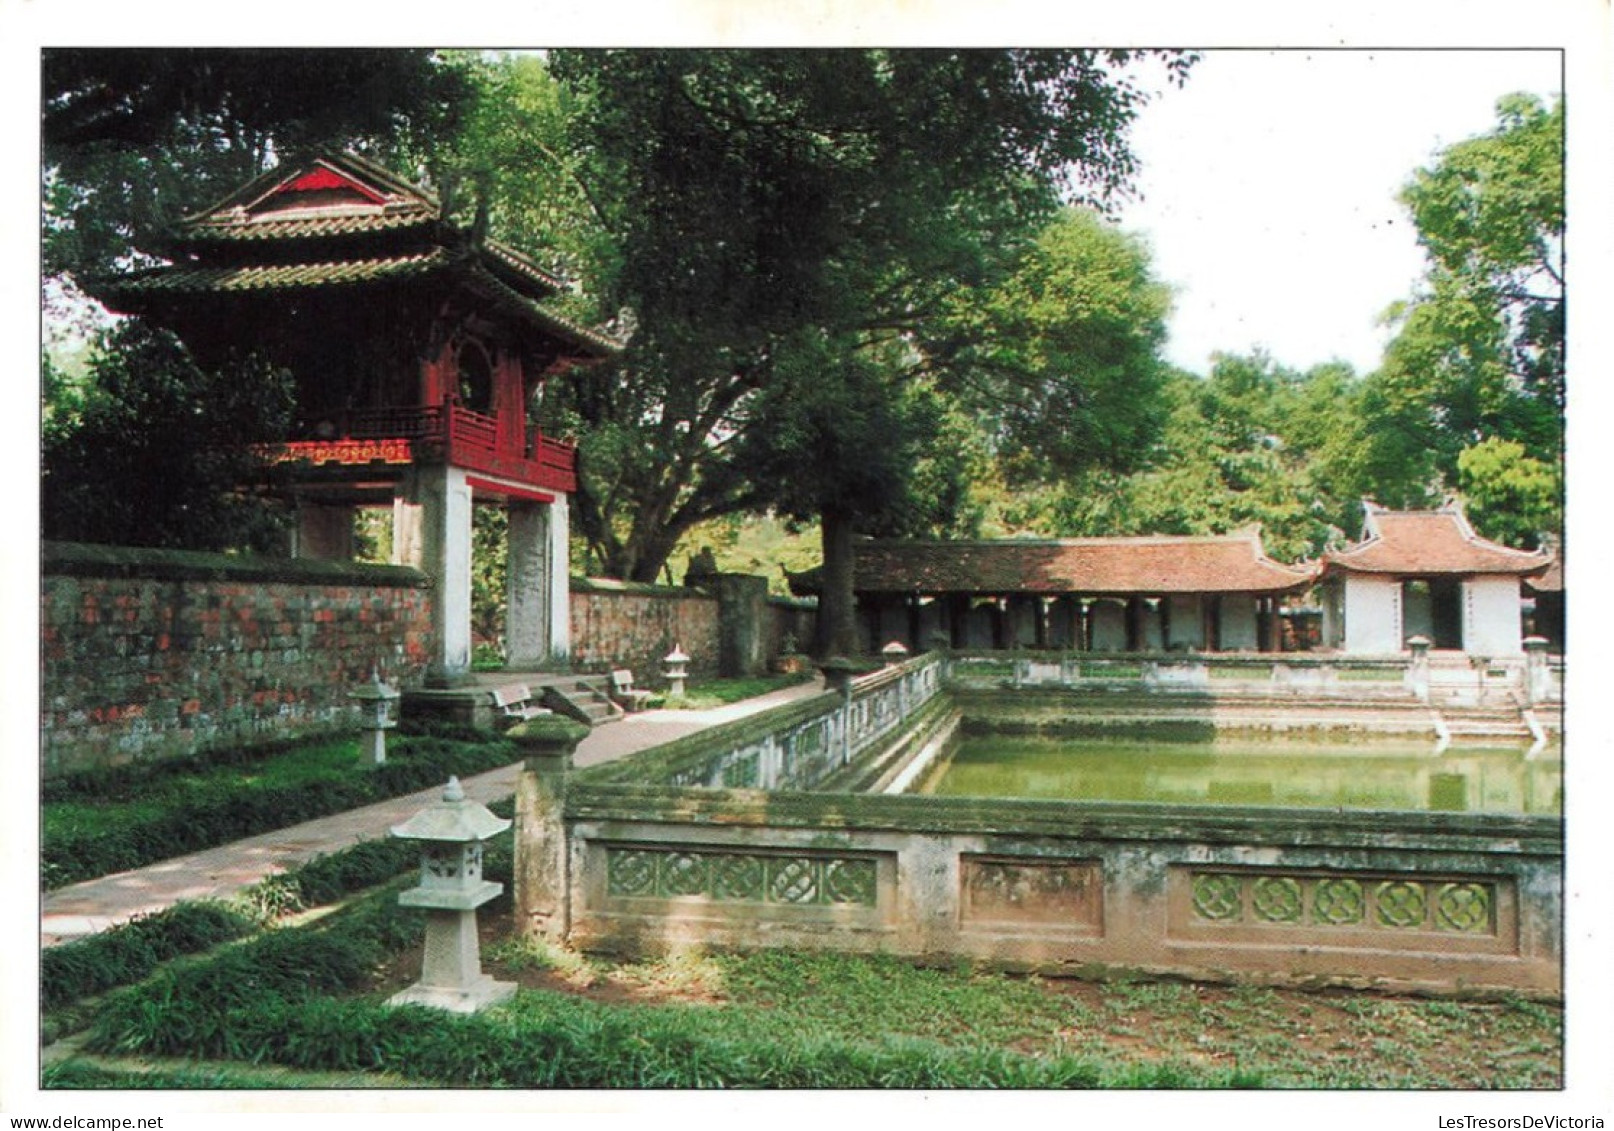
837, 604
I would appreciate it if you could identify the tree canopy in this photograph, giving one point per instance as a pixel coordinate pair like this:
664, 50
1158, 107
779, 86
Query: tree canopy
794, 232
1478, 356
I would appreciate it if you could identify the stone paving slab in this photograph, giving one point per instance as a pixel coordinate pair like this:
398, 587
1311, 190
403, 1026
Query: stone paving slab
217, 873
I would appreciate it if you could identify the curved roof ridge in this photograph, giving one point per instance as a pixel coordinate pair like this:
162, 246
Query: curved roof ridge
1438, 541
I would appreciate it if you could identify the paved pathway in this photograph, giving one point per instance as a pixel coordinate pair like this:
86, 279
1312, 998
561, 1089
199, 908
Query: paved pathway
215, 873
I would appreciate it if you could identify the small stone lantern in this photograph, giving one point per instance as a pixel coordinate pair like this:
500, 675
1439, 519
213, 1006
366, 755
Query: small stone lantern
677, 662
376, 706
451, 888
894, 653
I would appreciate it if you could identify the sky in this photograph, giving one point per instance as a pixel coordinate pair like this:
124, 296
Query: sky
1269, 182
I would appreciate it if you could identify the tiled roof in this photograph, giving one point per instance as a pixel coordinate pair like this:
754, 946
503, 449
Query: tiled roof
271, 277
1425, 543
1233, 563
341, 220
1550, 582
333, 223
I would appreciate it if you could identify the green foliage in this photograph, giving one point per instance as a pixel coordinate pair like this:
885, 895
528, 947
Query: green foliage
1060, 362
298, 998
130, 951
1478, 355
1252, 443
1513, 498
773, 210
271, 1001
153, 450
171, 814
327, 878
135, 138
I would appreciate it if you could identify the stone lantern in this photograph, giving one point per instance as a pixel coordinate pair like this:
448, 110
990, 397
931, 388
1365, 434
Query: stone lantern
377, 703
677, 662
451, 888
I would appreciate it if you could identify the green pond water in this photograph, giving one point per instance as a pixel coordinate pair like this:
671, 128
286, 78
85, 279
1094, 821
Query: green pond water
1377, 775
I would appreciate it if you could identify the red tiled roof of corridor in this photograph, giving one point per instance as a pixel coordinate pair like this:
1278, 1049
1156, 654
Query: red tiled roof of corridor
1233, 563
1422, 543
1550, 582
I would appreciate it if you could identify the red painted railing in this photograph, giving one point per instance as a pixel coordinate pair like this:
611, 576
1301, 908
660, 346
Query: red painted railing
464, 438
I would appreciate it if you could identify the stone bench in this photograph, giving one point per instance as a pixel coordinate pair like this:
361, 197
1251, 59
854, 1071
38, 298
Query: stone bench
515, 701
625, 694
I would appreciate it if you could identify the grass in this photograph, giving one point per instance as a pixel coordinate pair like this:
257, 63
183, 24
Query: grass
150, 813
307, 1000
707, 694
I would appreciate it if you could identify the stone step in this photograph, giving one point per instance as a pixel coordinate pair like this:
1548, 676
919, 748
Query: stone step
581, 697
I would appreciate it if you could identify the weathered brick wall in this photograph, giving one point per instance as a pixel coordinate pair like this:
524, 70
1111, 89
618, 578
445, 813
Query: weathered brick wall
620, 625
789, 621
150, 654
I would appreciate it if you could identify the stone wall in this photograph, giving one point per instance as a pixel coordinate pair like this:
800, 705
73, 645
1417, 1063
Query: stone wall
621, 625
731, 628
766, 833
153, 653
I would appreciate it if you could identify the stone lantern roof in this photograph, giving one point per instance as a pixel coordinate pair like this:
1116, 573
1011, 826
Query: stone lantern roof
454, 820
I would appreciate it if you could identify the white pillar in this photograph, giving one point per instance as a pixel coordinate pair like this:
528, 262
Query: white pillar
527, 596
445, 505
406, 534
1372, 614
1492, 616
558, 570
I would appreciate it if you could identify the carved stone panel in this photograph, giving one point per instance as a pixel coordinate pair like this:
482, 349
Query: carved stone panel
1028, 891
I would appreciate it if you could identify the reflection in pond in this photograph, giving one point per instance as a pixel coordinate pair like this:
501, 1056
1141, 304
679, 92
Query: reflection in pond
1363, 775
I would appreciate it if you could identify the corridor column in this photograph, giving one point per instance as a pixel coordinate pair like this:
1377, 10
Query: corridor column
444, 499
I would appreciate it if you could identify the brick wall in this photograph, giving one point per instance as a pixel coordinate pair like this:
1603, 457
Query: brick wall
620, 625
150, 654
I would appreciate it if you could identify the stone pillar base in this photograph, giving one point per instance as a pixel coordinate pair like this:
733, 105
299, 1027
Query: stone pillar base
456, 999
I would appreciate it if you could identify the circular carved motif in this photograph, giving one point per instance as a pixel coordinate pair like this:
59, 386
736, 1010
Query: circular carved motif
1337, 902
1400, 903
1463, 907
683, 874
1276, 899
849, 881
1217, 896
630, 873
793, 881
737, 877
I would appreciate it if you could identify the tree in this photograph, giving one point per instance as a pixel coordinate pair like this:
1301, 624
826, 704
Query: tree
152, 455
1479, 352
772, 206
1254, 442
1512, 497
134, 138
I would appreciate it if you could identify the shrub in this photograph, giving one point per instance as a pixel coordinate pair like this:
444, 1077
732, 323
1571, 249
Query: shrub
132, 950
220, 806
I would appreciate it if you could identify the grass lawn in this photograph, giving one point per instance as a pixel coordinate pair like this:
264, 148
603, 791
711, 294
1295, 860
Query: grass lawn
707, 694
301, 1007
137, 815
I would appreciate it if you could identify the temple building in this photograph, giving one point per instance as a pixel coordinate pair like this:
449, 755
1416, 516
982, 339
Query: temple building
1426, 574
418, 350
1164, 593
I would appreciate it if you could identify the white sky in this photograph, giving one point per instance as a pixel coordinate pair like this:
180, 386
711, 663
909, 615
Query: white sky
1269, 184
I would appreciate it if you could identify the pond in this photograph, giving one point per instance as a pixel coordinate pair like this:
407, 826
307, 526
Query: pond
1278, 772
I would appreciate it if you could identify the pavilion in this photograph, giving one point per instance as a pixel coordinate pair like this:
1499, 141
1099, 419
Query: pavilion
1160, 593
417, 347
1426, 574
